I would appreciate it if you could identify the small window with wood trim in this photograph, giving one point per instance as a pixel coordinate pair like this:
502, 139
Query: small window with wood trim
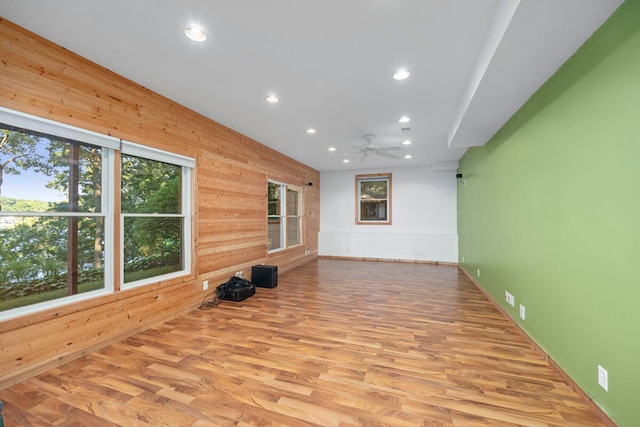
373, 199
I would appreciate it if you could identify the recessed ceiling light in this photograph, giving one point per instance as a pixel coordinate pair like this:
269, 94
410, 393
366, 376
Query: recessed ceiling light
311, 131
406, 142
401, 74
272, 99
345, 161
404, 119
408, 156
195, 33
332, 148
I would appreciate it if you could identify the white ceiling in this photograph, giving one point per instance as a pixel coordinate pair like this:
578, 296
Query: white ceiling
473, 63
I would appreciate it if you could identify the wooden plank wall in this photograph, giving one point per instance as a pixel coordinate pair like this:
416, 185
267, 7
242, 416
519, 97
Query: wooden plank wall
43, 79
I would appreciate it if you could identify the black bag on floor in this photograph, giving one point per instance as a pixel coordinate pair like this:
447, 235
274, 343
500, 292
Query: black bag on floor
236, 289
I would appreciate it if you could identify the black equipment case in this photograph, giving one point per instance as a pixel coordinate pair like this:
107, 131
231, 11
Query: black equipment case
236, 289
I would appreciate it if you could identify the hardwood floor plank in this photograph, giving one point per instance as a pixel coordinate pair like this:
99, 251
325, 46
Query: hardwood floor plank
337, 343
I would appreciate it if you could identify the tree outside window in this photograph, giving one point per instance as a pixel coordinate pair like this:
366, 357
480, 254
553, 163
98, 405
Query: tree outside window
373, 199
153, 221
52, 223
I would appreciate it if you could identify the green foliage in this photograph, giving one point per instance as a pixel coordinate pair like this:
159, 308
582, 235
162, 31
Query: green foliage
140, 274
23, 294
152, 237
18, 152
24, 288
373, 189
89, 174
273, 195
151, 187
148, 186
23, 205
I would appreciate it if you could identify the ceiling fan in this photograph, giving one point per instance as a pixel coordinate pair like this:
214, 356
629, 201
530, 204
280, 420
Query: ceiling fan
371, 148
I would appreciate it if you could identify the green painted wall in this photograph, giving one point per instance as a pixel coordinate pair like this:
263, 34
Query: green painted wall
551, 213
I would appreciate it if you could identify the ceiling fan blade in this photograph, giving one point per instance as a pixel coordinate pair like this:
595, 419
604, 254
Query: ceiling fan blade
364, 156
389, 155
390, 148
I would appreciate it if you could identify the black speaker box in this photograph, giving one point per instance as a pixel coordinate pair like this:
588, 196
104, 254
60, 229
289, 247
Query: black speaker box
264, 276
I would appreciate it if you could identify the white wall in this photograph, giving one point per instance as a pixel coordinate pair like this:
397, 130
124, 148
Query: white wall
423, 214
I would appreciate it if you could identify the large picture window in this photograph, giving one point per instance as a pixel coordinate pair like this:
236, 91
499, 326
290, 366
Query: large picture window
57, 214
284, 216
54, 213
373, 199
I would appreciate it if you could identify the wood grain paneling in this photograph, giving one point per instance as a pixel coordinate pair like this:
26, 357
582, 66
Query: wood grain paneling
230, 233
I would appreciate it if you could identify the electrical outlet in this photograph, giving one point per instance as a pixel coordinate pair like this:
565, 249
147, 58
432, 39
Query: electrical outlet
205, 285
510, 298
603, 378
522, 313
462, 259
478, 272
239, 274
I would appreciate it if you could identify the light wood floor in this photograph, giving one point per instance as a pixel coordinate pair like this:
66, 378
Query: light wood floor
337, 343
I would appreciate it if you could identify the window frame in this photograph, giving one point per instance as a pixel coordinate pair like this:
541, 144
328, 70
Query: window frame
187, 165
280, 215
297, 215
284, 216
108, 145
363, 178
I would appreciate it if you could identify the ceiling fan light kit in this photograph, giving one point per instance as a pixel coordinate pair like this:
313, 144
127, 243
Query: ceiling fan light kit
401, 74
